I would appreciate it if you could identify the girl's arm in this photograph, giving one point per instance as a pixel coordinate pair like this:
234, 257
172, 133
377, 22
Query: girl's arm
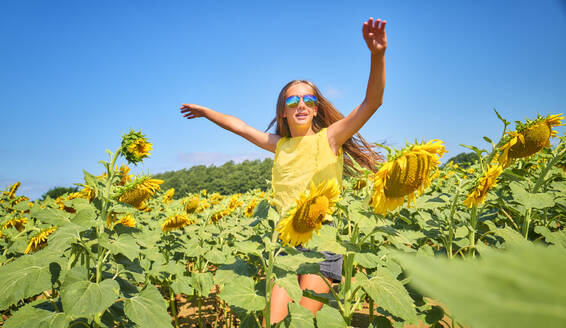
344, 129
263, 140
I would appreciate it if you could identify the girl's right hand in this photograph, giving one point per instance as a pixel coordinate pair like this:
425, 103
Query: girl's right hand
192, 110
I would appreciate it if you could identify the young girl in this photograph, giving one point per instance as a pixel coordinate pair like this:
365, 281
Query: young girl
308, 141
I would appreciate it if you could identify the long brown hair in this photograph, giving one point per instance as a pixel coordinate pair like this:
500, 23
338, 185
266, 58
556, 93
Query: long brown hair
357, 147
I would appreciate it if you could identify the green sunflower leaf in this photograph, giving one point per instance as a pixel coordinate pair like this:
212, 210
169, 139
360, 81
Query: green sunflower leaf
522, 286
148, 309
84, 298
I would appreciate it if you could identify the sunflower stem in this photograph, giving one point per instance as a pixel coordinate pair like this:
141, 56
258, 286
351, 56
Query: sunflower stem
526, 223
547, 168
173, 305
451, 226
348, 267
268, 283
472, 234
105, 210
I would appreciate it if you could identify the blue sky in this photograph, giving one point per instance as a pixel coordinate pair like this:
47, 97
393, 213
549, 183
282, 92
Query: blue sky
76, 75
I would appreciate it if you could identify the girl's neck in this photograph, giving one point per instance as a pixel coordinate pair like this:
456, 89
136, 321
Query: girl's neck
300, 131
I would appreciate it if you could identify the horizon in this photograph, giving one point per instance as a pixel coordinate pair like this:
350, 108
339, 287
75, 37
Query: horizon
77, 76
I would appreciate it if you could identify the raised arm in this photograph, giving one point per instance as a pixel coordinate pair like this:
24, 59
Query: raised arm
263, 140
344, 129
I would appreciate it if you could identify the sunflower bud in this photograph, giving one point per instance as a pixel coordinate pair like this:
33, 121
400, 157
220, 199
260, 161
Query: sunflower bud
135, 147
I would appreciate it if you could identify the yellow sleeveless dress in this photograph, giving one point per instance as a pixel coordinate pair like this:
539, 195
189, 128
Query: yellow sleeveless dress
299, 161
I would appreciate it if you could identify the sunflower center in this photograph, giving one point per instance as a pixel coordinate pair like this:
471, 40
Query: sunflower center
309, 216
536, 137
405, 180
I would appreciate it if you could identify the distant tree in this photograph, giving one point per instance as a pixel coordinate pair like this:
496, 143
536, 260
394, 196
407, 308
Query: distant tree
227, 179
464, 159
58, 191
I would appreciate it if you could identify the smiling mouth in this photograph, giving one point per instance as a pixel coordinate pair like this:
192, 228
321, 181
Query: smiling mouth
301, 115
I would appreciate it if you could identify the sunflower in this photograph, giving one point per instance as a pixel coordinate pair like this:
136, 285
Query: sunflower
203, 192
309, 213
485, 183
139, 191
127, 221
16, 223
251, 207
191, 204
529, 138
204, 204
219, 215
216, 198
407, 172
39, 241
176, 222
234, 202
359, 184
135, 147
64, 207
168, 197
86, 193
125, 177
13, 189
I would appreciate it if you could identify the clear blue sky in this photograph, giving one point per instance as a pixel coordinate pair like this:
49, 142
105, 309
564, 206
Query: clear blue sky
76, 75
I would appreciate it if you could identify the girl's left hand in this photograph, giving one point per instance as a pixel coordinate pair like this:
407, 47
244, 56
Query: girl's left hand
374, 34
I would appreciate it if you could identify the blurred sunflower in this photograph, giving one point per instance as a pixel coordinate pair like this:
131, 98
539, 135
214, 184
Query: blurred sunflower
168, 197
359, 184
484, 184
529, 138
191, 204
125, 177
19, 224
407, 172
251, 207
219, 215
135, 147
39, 240
13, 189
137, 192
176, 222
309, 213
127, 221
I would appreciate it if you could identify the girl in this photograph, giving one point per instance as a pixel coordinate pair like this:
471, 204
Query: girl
308, 141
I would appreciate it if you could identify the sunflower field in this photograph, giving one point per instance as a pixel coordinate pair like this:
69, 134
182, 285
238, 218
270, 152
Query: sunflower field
424, 244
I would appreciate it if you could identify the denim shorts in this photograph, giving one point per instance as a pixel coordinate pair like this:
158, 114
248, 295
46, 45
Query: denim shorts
331, 267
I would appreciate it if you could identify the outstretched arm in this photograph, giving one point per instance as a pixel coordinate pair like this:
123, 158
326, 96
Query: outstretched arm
263, 140
344, 129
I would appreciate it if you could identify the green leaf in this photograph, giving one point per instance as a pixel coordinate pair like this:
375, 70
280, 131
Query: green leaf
522, 286
249, 247
388, 293
367, 260
557, 238
227, 272
529, 199
329, 317
183, 285
85, 217
84, 298
326, 241
202, 282
292, 262
301, 317
148, 309
125, 244
218, 257
291, 285
240, 292
33, 316
51, 216
27, 276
